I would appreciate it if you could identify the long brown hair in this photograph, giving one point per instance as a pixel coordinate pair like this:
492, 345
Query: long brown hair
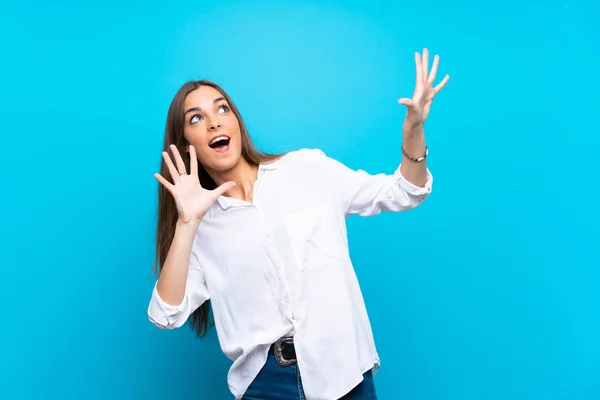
167, 212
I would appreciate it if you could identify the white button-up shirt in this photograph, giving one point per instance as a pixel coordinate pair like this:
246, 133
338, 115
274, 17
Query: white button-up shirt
280, 266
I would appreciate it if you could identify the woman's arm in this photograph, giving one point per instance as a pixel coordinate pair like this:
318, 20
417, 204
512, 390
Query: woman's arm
366, 194
413, 146
181, 287
414, 149
172, 280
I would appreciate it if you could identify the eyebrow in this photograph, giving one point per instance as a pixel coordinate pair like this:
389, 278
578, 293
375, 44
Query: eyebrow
215, 101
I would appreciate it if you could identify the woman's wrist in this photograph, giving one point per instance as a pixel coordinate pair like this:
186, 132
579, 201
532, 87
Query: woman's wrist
188, 225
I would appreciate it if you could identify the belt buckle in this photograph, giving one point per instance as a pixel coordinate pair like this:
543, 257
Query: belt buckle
279, 355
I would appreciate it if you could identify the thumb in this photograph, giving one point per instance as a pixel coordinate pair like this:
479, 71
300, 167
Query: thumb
223, 188
405, 102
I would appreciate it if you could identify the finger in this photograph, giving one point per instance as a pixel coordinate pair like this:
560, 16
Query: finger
425, 63
419, 65
441, 85
170, 166
426, 108
178, 159
405, 102
434, 67
223, 188
193, 161
164, 182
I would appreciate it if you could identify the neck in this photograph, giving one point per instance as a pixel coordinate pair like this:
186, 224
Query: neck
243, 174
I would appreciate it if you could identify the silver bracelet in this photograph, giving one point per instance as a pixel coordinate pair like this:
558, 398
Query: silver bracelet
415, 159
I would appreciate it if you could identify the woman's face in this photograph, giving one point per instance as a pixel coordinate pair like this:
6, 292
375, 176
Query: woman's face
213, 129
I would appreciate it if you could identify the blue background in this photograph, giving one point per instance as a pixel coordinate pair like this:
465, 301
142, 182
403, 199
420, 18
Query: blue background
487, 291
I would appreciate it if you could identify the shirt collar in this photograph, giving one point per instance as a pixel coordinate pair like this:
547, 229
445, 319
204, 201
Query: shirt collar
224, 202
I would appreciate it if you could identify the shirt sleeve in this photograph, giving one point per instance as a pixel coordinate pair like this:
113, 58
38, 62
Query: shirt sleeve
367, 194
167, 316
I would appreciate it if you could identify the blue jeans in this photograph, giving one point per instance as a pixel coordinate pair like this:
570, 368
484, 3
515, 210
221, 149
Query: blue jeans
275, 382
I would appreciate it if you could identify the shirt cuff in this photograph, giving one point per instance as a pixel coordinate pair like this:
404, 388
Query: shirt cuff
162, 313
413, 189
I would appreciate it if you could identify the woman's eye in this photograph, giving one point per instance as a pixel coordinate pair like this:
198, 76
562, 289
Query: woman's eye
197, 117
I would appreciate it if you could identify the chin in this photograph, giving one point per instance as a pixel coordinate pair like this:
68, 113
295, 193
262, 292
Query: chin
225, 165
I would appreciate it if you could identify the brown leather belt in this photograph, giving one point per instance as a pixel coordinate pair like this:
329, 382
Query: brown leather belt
284, 351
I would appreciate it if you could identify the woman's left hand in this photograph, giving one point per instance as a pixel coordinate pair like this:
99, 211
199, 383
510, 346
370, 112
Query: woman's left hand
419, 105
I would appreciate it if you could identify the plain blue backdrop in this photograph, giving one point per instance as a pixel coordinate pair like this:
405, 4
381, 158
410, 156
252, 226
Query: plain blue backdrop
490, 290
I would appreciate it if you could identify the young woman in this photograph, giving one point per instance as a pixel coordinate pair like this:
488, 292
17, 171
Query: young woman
263, 238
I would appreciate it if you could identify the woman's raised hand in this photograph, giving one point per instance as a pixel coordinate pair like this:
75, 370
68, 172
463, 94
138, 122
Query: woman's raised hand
191, 199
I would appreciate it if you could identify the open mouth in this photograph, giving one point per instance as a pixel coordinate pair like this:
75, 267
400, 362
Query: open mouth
220, 143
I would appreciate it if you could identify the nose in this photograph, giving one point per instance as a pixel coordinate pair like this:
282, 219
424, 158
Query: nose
214, 125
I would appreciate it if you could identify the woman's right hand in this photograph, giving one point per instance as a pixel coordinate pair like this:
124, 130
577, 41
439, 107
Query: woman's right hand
191, 199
